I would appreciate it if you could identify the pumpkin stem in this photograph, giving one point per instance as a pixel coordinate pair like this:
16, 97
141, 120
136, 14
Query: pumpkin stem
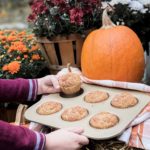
68, 66
106, 21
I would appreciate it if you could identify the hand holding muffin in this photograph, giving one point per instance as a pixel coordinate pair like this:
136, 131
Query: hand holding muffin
70, 83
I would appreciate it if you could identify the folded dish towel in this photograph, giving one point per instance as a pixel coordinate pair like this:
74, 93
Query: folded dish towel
138, 132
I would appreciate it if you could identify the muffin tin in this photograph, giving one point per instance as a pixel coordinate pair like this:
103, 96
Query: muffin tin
125, 115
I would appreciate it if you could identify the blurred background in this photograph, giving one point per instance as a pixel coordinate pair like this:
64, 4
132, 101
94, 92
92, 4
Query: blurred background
13, 14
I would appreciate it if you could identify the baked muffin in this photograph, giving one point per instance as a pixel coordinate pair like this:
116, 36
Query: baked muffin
48, 108
96, 96
124, 100
70, 83
74, 113
104, 120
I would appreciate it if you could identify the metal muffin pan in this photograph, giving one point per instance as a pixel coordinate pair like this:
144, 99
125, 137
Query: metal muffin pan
125, 115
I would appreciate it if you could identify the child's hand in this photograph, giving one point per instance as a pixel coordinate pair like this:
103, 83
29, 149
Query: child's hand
66, 139
48, 84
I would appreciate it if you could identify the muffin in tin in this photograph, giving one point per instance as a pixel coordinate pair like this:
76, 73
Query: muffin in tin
124, 100
96, 97
70, 83
49, 108
74, 113
104, 120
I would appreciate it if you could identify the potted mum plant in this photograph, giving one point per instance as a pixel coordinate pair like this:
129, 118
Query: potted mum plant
61, 26
20, 56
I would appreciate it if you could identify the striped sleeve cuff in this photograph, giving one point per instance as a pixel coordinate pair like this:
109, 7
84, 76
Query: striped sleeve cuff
40, 141
32, 89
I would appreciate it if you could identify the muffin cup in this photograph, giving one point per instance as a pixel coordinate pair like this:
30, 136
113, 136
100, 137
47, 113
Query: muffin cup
71, 90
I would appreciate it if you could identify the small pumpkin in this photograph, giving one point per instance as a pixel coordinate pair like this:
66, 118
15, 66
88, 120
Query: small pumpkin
112, 53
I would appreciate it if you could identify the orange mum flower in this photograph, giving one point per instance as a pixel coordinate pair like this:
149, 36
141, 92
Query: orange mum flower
1, 32
34, 48
13, 32
22, 33
30, 37
35, 57
11, 38
2, 37
20, 46
14, 67
5, 68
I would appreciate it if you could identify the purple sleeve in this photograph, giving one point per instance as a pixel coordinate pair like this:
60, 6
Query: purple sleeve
18, 90
20, 138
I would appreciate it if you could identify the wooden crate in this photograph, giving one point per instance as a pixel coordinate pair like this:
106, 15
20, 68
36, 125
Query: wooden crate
62, 50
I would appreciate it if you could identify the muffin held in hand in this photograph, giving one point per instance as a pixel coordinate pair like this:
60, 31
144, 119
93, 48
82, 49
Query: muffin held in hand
70, 83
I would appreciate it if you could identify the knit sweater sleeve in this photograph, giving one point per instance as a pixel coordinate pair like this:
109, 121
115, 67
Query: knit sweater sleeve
20, 138
19, 90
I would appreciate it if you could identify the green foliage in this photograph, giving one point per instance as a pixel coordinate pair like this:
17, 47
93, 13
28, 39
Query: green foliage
136, 20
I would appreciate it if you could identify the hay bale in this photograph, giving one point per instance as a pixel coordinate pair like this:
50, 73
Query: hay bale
113, 144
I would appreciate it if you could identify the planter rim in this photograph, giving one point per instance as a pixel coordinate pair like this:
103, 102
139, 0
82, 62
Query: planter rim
72, 37
63, 38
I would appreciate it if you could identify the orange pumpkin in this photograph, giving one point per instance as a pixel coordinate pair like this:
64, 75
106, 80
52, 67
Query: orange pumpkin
112, 53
